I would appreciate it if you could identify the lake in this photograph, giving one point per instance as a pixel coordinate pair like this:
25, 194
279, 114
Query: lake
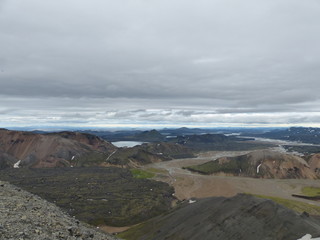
127, 143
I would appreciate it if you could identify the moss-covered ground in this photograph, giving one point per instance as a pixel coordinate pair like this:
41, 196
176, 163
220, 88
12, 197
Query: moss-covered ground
142, 174
110, 196
296, 206
211, 167
311, 191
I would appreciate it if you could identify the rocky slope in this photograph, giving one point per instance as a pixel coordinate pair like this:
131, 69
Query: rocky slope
49, 150
314, 162
96, 195
263, 163
148, 153
237, 218
26, 216
71, 149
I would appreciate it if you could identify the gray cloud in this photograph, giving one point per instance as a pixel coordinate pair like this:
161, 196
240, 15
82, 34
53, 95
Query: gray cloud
160, 61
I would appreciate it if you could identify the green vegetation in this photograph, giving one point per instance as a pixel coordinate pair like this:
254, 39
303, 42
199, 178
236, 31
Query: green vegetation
294, 205
157, 170
139, 173
96, 195
231, 166
311, 191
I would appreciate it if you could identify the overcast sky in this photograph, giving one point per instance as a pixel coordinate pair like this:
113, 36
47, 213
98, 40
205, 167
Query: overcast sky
159, 62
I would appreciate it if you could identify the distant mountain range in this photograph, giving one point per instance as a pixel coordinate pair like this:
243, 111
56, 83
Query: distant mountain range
70, 149
73, 149
299, 134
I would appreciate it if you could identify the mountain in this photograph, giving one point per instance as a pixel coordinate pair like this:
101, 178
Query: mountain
148, 153
237, 218
71, 149
314, 162
184, 131
129, 135
149, 136
51, 150
298, 134
216, 142
262, 163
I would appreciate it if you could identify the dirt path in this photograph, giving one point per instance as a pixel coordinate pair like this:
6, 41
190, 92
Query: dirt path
188, 184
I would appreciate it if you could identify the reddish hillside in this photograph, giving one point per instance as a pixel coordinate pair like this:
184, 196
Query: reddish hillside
50, 150
265, 164
314, 162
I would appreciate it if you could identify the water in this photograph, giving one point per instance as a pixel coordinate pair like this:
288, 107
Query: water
127, 143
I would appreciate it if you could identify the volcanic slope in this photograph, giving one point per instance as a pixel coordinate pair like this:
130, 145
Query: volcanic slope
27, 216
263, 163
51, 150
237, 218
148, 153
314, 162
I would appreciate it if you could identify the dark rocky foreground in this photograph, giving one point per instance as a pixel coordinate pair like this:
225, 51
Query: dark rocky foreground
238, 218
96, 195
26, 216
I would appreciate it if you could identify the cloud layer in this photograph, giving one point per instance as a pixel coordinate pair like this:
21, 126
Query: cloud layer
159, 62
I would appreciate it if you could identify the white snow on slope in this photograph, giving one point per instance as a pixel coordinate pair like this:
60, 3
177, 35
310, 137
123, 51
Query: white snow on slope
308, 237
258, 168
17, 164
111, 155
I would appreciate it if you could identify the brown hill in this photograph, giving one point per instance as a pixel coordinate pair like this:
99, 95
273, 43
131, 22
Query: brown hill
147, 153
264, 163
314, 162
50, 150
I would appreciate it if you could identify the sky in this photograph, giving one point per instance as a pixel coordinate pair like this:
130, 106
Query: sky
154, 63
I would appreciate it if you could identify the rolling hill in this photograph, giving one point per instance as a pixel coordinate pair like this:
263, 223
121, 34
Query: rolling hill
262, 163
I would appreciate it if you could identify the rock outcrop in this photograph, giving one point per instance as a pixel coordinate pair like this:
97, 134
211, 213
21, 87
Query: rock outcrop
26, 216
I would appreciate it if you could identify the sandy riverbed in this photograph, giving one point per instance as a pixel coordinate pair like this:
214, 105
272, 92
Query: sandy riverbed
188, 184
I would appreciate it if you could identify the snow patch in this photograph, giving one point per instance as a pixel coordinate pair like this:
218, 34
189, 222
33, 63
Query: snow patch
111, 155
258, 168
17, 164
308, 237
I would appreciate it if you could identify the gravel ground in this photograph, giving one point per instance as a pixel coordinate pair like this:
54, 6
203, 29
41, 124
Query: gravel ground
193, 185
26, 216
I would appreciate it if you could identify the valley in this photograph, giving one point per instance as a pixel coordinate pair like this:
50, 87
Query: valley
122, 189
189, 184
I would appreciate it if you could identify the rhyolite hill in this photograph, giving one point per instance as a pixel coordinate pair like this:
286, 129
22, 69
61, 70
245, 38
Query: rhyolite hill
262, 164
73, 149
